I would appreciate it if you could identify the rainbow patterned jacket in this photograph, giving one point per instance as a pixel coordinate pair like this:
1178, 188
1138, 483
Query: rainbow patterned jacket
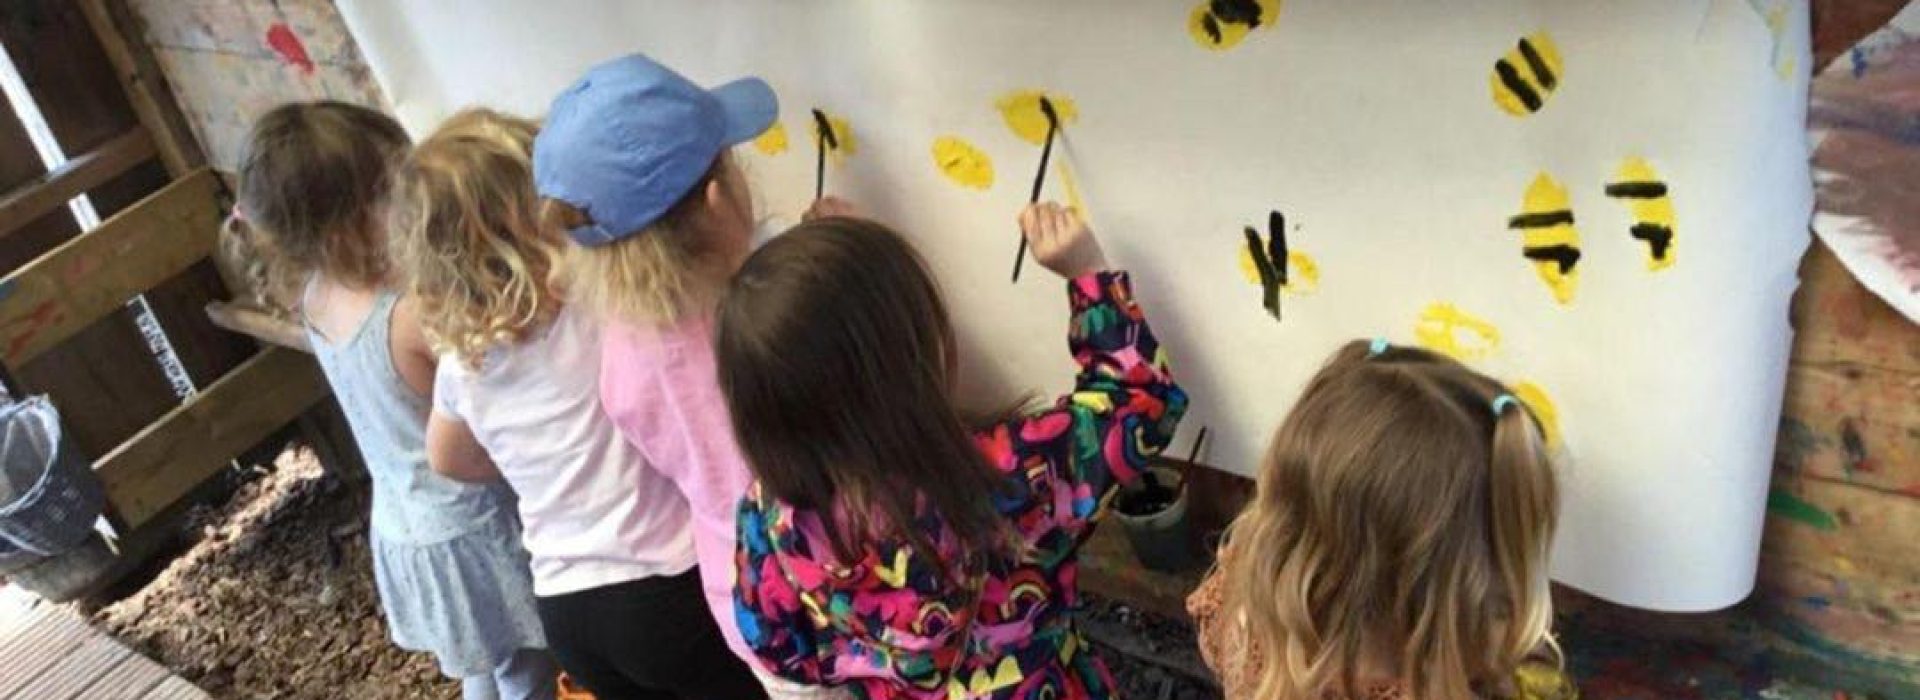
889, 626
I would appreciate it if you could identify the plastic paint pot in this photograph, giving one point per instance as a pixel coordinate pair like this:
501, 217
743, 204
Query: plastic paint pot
1154, 513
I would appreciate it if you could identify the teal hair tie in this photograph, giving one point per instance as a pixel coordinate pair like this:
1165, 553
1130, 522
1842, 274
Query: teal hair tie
1501, 402
1379, 346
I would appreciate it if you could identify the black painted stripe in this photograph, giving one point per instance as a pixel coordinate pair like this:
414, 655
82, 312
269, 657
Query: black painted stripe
1277, 245
1637, 190
1212, 27
1565, 255
1544, 219
1659, 239
1516, 85
1541, 73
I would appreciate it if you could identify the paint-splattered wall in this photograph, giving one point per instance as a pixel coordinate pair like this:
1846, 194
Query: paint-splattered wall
230, 61
1840, 580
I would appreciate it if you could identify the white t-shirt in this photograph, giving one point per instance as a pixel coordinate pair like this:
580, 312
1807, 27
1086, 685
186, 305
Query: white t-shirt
594, 512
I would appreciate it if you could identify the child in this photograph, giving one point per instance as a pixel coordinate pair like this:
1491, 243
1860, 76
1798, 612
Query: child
885, 546
447, 559
613, 565
1397, 545
646, 151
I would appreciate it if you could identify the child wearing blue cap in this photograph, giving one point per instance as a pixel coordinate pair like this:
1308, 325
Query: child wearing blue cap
633, 160
447, 559
516, 397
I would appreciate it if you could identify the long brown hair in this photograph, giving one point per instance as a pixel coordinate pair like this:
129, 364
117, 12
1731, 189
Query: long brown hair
1402, 518
836, 358
310, 185
468, 232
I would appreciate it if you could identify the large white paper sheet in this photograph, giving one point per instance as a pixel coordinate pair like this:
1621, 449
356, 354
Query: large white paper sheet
1374, 127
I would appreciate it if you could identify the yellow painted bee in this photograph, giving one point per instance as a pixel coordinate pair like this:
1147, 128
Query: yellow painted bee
1220, 24
1548, 238
1646, 194
1270, 264
1529, 73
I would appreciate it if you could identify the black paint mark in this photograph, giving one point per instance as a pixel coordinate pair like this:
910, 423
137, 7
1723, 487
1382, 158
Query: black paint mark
1565, 256
1541, 72
1855, 447
1517, 85
1545, 219
1269, 278
1212, 27
1245, 12
1637, 190
1277, 245
1659, 238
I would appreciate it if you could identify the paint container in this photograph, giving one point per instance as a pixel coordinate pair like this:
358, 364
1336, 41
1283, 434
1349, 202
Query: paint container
1154, 513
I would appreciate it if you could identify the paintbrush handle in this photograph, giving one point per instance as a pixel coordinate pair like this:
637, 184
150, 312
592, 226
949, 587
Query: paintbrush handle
1039, 181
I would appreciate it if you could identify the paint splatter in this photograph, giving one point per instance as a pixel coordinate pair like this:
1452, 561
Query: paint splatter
283, 41
773, 141
1548, 238
1531, 71
1021, 110
1858, 59
1791, 507
1647, 196
1219, 25
1543, 409
962, 163
1774, 13
1445, 329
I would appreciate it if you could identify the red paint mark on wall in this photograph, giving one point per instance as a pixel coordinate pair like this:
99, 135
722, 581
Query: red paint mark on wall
284, 42
30, 325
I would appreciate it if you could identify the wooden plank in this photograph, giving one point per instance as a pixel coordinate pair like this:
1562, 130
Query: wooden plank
73, 674
145, 86
177, 688
194, 441
93, 275
1845, 529
25, 657
131, 680
90, 170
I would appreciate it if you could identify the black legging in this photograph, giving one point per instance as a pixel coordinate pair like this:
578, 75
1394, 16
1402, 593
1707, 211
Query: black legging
646, 639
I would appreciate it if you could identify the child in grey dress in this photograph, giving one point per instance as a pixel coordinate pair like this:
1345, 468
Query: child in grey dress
452, 575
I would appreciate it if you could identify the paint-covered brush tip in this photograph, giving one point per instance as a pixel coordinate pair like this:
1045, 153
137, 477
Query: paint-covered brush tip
824, 129
1046, 107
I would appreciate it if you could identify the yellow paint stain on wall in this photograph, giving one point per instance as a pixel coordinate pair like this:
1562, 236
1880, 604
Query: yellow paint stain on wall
1215, 32
1072, 185
1303, 274
962, 163
773, 141
1647, 196
1784, 61
843, 136
1548, 239
1543, 410
1527, 75
1021, 110
1445, 329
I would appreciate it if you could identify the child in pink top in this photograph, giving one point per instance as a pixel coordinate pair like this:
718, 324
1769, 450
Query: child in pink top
660, 221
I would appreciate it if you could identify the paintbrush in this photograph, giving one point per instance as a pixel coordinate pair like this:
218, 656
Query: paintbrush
823, 140
1039, 178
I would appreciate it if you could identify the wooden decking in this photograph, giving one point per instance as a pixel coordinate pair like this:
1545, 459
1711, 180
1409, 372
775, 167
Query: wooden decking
48, 653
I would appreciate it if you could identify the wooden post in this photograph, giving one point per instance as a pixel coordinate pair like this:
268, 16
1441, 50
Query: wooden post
140, 76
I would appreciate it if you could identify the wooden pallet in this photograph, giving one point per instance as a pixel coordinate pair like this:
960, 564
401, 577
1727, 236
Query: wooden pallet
49, 653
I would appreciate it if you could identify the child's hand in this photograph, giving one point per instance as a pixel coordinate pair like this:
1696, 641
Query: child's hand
830, 206
1061, 241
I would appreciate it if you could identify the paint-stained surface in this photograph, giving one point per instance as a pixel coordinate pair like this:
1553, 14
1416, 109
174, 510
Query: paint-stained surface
1527, 76
1023, 115
1445, 329
229, 62
1222, 24
963, 163
1647, 197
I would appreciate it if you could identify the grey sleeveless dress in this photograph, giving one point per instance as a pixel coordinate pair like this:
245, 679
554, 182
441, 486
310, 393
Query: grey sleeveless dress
452, 575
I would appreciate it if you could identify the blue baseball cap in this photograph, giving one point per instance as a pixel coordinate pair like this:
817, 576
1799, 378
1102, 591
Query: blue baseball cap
631, 137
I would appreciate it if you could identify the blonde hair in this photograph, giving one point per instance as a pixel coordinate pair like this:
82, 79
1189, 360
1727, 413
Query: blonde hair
469, 236
654, 275
310, 188
1402, 517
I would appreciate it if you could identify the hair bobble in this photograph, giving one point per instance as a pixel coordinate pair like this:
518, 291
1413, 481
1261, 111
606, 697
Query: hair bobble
1379, 345
1501, 402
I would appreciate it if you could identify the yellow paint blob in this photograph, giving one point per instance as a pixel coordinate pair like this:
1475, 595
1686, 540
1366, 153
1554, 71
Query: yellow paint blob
1546, 227
1072, 185
1529, 73
1445, 329
1248, 268
1022, 112
1784, 62
773, 141
1303, 274
1543, 410
1646, 195
843, 137
962, 163
1215, 33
